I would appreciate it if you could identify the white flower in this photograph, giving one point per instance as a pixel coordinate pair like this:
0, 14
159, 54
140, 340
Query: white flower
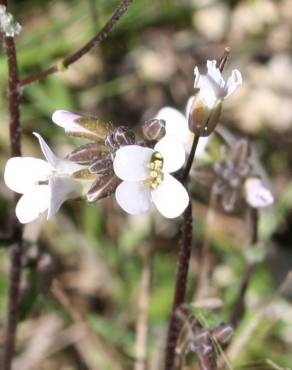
176, 125
212, 89
45, 185
213, 86
256, 194
146, 178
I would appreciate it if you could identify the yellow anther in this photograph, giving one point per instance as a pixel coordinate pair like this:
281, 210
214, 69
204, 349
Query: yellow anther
156, 174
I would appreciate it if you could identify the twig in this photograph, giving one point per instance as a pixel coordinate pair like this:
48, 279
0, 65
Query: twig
143, 311
239, 308
16, 249
184, 256
93, 42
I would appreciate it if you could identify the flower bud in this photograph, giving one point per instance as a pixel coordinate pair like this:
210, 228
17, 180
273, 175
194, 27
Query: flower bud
81, 126
222, 333
154, 129
103, 187
102, 165
87, 154
121, 136
203, 119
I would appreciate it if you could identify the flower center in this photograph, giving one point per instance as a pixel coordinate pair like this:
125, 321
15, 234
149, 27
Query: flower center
156, 174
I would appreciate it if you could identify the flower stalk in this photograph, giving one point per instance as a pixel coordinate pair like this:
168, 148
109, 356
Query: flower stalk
185, 247
16, 249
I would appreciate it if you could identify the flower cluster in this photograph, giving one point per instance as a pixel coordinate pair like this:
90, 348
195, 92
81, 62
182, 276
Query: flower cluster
138, 169
235, 180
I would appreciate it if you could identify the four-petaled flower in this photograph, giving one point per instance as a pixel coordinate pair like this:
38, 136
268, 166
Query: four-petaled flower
146, 178
45, 185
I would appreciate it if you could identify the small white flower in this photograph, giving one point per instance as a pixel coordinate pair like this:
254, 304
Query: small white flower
176, 125
205, 109
7, 23
256, 194
213, 86
45, 185
146, 178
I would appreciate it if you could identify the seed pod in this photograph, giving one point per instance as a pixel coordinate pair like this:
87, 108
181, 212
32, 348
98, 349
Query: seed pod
154, 129
222, 333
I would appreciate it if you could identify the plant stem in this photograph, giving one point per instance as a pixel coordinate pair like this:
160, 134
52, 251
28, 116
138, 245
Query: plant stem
239, 308
184, 256
16, 249
100, 36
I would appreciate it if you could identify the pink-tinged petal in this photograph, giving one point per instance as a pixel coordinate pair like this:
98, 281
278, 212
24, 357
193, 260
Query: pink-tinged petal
66, 120
64, 188
133, 197
256, 194
23, 173
62, 166
131, 163
33, 203
176, 123
170, 197
173, 153
233, 82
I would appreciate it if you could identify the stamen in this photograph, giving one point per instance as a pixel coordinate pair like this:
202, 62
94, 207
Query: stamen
156, 174
223, 60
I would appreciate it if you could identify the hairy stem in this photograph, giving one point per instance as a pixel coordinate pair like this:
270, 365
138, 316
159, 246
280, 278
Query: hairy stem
100, 36
16, 249
239, 308
184, 256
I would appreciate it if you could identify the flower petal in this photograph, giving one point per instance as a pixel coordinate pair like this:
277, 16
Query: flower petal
233, 82
133, 197
23, 173
64, 188
176, 123
256, 194
173, 153
66, 120
33, 203
170, 197
131, 163
62, 166
214, 73
189, 105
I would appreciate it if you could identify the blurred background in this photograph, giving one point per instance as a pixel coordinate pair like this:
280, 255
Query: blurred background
89, 272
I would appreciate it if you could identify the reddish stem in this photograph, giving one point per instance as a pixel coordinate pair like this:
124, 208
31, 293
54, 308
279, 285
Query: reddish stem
16, 249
